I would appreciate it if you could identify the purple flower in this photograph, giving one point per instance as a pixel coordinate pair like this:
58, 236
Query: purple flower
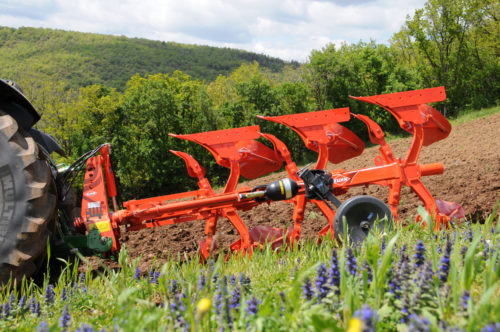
334, 272
445, 263
418, 324
85, 328
470, 235
174, 288
252, 306
351, 262
465, 300
218, 302
137, 274
153, 277
43, 327
22, 303
493, 327
201, 282
6, 309
12, 300
369, 272
63, 294
368, 317
419, 254
235, 298
232, 280
382, 246
65, 318
321, 282
283, 301
49, 294
245, 282
486, 251
82, 283
308, 289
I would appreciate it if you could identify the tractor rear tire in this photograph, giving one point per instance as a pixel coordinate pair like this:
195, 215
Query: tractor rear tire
28, 199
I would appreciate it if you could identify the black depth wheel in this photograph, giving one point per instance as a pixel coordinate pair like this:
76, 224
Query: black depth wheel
361, 214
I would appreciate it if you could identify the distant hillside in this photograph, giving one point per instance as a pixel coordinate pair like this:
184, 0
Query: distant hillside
85, 58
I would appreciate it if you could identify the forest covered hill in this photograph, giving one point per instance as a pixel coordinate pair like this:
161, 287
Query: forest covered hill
83, 59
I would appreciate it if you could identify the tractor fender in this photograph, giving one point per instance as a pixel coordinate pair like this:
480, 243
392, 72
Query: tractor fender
14, 103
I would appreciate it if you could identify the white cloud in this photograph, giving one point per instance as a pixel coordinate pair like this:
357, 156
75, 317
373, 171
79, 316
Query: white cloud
289, 29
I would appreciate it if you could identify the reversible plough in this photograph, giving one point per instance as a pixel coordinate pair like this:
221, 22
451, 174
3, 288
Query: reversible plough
239, 150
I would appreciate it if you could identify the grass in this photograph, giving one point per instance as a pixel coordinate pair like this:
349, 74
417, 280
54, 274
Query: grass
391, 282
465, 116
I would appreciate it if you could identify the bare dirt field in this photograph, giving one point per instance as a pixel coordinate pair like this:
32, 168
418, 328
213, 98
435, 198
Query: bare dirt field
470, 154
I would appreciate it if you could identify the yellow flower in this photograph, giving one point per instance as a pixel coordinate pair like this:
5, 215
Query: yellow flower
203, 306
355, 325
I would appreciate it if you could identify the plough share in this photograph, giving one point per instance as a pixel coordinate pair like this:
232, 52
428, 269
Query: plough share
239, 150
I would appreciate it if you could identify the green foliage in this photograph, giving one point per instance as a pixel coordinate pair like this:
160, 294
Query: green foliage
451, 43
82, 59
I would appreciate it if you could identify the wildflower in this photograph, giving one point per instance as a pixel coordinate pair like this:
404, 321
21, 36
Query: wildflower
465, 300
229, 319
419, 254
355, 325
6, 309
418, 324
253, 306
369, 272
368, 317
38, 309
201, 282
245, 282
470, 235
218, 302
321, 281
334, 272
65, 318
85, 328
382, 246
486, 250
463, 251
203, 306
235, 298
22, 303
308, 290
232, 280
63, 295
445, 263
153, 277
137, 274
12, 300
493, 327
283, 301
49, 294
43, 327
351, 262
174, 287
32, 305
82, 283
405, 308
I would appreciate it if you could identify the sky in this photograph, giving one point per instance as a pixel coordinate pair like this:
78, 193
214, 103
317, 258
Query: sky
287, 29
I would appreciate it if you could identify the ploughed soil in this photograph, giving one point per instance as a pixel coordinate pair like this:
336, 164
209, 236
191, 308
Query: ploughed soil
470, 154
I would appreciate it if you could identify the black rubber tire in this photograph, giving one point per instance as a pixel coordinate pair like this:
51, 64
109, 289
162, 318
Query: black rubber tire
356, 210
28, 200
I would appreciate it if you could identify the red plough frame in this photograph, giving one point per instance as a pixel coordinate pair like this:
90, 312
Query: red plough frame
238, 150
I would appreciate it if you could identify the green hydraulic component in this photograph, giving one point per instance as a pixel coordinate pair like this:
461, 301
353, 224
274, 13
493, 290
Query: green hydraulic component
92, 241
